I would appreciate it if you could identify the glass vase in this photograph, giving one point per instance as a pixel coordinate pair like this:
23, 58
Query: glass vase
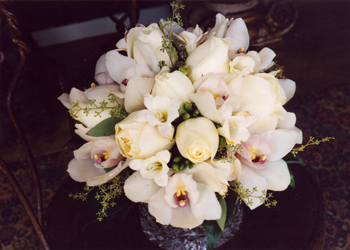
168, 237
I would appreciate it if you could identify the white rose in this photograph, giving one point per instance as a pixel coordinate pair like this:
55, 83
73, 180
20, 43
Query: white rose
174, 85
197, 139
139, 140
210, 56
99, 93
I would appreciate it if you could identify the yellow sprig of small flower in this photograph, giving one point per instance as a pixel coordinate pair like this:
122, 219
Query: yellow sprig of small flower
311, 141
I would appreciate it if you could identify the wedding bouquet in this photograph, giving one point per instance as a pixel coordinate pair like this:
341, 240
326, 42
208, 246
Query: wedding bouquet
180, 116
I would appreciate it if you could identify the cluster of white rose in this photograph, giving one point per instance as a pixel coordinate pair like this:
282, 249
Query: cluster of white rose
236, 100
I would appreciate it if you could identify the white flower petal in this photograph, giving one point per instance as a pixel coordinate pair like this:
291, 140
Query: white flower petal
250, 179
84, 152
282, 141
139, 189
116, 64
266, 56
159, 208
99, 180
276, 174
82, 170
289, 88
207, 207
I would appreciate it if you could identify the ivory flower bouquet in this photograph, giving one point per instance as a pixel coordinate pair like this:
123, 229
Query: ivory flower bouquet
180, 116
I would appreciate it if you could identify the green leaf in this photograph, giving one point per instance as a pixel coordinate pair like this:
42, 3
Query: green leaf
294, 159
292, 181
213, 231
212, 228
222, 220
104, 128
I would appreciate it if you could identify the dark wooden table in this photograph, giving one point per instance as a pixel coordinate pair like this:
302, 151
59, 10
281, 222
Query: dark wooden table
297, 222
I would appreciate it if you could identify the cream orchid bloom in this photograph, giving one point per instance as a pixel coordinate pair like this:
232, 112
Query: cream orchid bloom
214, 98
183, 202
262, 164
161, 112
154, 167
91, 160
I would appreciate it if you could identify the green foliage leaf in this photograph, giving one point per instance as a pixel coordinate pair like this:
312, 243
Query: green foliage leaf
104, 128
222, 220
294, 159
292, 181
212, 228
213, 231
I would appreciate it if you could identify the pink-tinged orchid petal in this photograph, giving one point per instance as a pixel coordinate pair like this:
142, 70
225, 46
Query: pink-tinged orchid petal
266, 55
238, 35
84, 152
101, 72
288, 123
289, 88
99, 180
103, 78
83, 170
116, 64
282, 141
139, 189
276, 174
250, 180
254, 151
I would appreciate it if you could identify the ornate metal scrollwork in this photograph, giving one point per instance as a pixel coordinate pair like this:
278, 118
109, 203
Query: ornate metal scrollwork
267, 21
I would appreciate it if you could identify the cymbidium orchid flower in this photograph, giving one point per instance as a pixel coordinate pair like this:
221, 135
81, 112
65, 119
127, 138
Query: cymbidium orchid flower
91, 159
82, 98
154, 167
262, 164
161, 112
214, 98
183, 202
135, 79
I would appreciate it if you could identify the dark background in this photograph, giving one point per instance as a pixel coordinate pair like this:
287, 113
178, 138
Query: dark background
315, 54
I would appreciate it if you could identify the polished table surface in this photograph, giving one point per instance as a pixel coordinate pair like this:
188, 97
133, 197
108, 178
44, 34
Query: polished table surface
297, 222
